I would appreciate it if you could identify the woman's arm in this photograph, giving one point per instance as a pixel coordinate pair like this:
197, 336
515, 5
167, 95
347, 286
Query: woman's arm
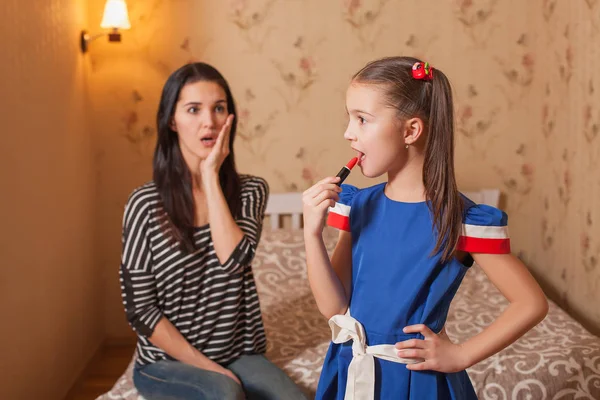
138, 284
138, 290
234, 241
329, 280
170, 340
142, 311
225, 232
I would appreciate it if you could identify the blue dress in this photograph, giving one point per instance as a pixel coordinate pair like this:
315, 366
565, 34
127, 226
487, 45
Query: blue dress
396, 282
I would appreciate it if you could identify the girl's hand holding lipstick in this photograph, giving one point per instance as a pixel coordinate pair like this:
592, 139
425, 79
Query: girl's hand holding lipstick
317, 200
320, 197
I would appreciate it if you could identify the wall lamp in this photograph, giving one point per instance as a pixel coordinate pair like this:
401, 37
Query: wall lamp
115, 17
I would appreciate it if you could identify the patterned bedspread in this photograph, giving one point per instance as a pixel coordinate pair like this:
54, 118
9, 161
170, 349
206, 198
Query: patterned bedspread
558, 359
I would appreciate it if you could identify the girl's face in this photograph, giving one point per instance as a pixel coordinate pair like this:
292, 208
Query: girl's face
374, 131
200, 113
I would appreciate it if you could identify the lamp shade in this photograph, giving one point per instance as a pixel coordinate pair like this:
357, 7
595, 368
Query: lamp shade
115, 15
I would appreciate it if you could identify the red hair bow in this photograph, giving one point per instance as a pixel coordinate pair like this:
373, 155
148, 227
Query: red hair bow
422, 71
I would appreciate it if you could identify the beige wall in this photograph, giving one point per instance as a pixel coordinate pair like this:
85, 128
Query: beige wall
50, 299
523, 80
527, 123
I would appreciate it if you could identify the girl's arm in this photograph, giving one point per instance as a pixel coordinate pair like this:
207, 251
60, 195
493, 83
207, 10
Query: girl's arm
528, 306
329, 280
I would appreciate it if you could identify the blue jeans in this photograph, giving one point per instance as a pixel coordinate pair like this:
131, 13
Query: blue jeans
261, 380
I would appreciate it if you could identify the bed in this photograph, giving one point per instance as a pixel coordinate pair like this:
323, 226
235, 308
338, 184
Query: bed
558, 359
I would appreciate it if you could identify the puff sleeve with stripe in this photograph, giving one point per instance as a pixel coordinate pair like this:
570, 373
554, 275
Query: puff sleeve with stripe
339, 215
484, 230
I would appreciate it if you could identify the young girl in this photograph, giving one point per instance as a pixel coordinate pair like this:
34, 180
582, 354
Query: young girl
404, 247
189, 237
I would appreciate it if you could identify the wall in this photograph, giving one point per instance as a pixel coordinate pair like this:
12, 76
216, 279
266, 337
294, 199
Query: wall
50, 298
522, 75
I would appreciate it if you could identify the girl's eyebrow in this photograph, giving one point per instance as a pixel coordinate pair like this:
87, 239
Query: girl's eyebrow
358, 111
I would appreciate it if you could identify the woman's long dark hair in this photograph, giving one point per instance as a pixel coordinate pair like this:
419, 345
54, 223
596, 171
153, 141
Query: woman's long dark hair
170, 172
431, 101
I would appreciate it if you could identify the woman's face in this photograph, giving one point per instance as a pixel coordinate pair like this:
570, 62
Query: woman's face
200, 113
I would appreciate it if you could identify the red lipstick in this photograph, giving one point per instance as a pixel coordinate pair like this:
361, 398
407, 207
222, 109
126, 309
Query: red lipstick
345, 171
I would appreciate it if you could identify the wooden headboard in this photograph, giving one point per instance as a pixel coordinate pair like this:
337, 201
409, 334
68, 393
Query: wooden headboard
284, 204
281, 204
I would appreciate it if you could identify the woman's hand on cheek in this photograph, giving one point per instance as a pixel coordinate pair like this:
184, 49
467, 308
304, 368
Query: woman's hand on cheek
219, 152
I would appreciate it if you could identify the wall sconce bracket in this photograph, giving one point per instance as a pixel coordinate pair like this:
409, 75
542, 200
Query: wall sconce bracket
86, 38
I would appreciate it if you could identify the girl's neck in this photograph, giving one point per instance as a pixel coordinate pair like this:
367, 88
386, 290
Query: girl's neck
406, 184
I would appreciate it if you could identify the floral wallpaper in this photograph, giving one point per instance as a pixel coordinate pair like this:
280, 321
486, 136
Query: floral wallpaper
526, 107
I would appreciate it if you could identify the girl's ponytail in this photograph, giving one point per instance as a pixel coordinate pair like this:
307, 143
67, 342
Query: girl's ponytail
438, 169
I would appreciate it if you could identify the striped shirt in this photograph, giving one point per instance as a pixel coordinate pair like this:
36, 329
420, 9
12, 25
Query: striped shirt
214, 306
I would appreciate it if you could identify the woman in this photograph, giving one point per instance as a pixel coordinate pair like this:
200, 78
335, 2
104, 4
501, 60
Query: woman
188, 239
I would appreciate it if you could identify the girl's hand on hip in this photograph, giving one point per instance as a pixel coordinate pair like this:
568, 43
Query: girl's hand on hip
435, 352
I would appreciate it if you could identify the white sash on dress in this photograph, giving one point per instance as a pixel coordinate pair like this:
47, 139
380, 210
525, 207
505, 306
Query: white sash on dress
361, 372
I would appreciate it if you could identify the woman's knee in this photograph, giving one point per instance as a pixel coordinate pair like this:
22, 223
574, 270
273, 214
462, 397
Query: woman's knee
231, 390
156, 383
264, 380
